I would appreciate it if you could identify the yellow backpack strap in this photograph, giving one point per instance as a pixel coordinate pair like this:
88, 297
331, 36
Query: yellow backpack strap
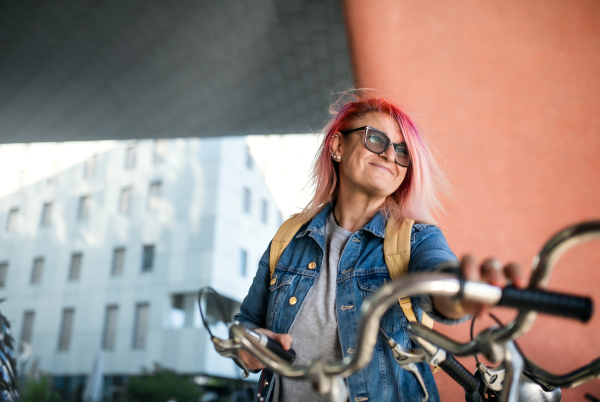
396, 251
282, 238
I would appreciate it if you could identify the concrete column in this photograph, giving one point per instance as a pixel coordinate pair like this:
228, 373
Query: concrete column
508, 93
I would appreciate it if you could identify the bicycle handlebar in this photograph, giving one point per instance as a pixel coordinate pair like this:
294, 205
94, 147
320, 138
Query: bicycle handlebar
495, 344
542, 267
434, 284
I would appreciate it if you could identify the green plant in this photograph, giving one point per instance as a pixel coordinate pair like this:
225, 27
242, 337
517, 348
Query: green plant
39, 391
160, 385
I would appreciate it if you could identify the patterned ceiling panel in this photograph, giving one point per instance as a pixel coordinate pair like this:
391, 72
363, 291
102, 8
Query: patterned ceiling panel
90, 70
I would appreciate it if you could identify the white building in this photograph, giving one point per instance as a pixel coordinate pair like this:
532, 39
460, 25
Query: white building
107, 250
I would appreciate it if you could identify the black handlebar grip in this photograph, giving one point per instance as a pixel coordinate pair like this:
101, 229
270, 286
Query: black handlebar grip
460, 374
543, 301
287, 355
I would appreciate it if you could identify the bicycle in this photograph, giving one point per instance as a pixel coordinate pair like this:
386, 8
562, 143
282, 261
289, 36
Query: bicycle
8, 363
518, 379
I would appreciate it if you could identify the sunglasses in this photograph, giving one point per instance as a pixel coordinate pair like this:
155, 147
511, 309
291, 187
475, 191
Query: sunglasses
377, 142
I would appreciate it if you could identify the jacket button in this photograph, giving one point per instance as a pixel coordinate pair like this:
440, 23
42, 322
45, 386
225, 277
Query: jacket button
312, 265
293, 300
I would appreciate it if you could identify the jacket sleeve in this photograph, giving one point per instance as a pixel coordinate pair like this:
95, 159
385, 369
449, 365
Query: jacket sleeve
254, 307
429, 249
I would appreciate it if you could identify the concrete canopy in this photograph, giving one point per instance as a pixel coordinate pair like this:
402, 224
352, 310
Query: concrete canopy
154, 69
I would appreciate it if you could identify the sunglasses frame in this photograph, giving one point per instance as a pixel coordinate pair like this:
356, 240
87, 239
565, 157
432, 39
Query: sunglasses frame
367, 128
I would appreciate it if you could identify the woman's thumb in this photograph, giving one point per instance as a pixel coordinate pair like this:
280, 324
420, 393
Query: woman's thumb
284, 339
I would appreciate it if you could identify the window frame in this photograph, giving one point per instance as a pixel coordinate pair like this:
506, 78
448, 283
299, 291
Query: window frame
12, 220
109, 329
113, 268
84, 208
148, 267
75, 269
66, 329
27, 326
3, 273
140, 326
36, 274
247, 201
46, 218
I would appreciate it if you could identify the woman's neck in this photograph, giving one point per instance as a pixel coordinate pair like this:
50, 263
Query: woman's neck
353, 211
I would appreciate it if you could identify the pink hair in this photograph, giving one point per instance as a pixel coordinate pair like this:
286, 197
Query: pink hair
417, 196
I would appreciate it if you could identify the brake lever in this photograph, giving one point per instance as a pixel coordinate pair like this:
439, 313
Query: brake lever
229, 348
406, 359
492, 377
414, 370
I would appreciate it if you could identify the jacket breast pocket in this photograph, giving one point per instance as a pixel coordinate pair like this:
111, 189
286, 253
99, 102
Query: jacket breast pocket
278, 288
393, 319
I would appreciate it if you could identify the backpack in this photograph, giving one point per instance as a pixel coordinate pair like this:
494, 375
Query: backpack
396, 250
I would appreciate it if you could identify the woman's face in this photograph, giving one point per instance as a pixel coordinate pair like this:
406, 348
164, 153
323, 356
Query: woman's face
376, 175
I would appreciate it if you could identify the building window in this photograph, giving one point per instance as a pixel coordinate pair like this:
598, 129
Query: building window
177, 316
110, 328
147, 258
27, 327
247, 200
46, 214
89, 168
3, 273
36, 271
125, 200
264, 211
130, 157
13, 217
160, 150
248, 158
154, 195
75, 268
140, 326
118, 261
66, 327
83, 212
184, 311
243, 262
223, 311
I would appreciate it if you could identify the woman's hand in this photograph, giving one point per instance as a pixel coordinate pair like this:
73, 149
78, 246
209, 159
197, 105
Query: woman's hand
490, 271
253, 363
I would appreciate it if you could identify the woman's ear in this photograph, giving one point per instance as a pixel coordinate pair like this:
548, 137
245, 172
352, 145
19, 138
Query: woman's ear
335, 144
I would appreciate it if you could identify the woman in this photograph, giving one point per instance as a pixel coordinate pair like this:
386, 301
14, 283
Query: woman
373, 164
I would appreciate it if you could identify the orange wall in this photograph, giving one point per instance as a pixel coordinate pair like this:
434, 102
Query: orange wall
509, 92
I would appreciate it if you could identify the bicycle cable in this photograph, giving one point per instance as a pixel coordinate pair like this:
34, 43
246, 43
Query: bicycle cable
473, 325
219, 299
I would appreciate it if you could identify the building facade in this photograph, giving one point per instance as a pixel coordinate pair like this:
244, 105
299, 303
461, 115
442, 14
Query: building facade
107, 254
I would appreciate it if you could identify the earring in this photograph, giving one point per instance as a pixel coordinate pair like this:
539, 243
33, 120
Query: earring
336, 157
336, 136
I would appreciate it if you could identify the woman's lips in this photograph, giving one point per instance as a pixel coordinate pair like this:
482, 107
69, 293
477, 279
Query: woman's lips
381, 167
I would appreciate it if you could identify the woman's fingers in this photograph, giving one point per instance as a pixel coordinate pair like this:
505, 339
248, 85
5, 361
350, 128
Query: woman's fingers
250, 361
470, 269
284, 339
516, 275
492, 272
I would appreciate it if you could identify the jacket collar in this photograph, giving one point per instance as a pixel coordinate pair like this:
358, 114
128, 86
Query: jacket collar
376, 225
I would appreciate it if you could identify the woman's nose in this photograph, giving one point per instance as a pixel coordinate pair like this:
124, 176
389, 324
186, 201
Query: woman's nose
389, 154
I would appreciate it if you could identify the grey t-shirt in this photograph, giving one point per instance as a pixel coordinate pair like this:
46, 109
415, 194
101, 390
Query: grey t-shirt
315, 331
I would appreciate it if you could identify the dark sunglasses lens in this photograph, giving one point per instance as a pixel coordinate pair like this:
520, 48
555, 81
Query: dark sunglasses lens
376, 142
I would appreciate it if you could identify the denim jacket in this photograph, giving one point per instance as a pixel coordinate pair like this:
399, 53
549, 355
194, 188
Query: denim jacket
361, 272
